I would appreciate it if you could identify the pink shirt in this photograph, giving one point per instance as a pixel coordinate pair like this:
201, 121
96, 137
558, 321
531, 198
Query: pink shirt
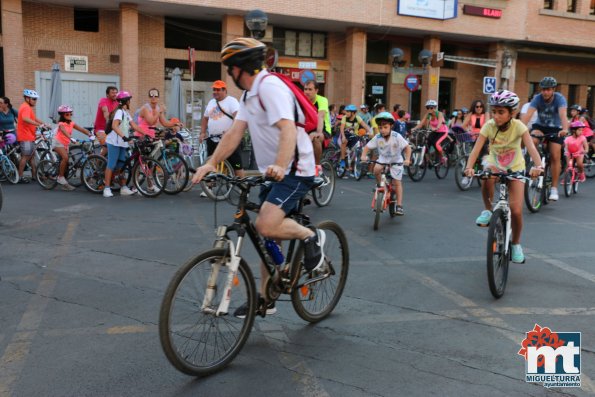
142, 123
99, 119
575, 145
60, 137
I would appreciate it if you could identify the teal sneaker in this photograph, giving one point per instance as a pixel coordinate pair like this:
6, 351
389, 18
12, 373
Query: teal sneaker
483, 220
517, 254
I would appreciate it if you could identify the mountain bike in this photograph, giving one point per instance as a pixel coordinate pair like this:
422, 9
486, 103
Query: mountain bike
7, 168
322, 193
418, 142
500, 232
462, 150
589, 163
197, 327
384, 196
48, 169
166, 153
570, 180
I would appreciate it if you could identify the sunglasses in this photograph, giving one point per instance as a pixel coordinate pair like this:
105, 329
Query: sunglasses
33, 99
217, 89
229, 70
154, 96
67, 114
430, 107
478, 106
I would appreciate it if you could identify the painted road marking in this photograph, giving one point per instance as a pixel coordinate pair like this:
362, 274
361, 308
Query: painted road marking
15, 355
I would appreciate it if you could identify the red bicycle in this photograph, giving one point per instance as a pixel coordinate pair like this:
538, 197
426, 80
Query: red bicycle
384, 194
571, 177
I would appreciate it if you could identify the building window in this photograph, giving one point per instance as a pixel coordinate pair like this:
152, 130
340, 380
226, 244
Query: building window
571, 7
377, 51
86, 19
548, 4
533, 90
592, 7
200, 35
591, 100
299, 43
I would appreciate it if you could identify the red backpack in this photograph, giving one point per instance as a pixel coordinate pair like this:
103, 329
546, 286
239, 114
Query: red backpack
308, 108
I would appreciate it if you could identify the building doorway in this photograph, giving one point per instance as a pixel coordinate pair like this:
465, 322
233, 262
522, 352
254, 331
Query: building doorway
445, 96
376, 89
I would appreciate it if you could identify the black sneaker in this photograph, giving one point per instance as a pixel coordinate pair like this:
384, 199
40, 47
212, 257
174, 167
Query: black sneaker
314, 251
241, 311
24, 180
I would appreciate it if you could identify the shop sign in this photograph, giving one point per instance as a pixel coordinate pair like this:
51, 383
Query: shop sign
482, 11
411, 82
76, 63
307, 65
434, 9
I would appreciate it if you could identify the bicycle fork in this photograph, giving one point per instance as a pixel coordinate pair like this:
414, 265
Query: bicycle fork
232, 262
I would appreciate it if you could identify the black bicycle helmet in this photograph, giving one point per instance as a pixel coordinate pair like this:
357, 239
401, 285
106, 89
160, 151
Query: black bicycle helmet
548, 82
578, 108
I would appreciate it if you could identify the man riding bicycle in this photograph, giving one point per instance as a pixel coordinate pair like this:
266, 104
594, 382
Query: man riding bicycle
551, 123
282, 150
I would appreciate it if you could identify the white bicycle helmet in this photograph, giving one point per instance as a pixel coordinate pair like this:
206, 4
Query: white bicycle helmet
64, 109
504, 98
432, 102
30, 93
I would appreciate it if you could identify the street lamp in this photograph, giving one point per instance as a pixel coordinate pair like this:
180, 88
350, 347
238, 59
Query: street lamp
256, 21
425, 57
397, 54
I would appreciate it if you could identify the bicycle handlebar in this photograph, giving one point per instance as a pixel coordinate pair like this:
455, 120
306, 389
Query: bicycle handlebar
485, 174
378, 162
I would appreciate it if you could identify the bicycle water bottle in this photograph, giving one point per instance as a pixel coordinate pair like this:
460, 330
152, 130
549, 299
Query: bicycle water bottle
275, 251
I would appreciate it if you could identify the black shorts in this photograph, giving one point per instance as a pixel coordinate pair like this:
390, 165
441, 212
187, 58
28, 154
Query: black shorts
235, 159
550, 133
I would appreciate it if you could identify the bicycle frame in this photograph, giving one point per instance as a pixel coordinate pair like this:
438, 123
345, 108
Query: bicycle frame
385, 187
503, 205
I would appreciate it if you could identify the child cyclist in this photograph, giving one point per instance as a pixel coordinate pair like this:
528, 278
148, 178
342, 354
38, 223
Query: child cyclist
390, 145
576, 146
505, 135
62, 139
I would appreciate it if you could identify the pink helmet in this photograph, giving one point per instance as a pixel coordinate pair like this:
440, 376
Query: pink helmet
123, 96
504, 98
10, 139
64, 109
577, 124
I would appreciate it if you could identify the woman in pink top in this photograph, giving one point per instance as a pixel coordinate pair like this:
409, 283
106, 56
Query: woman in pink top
150, 114
62, 139
575, 146
434, 121
476, 118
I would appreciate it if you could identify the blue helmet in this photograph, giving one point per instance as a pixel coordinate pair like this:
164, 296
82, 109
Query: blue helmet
350, 108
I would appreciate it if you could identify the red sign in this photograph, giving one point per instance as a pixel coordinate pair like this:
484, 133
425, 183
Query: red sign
411, 82
191, 60
482, 11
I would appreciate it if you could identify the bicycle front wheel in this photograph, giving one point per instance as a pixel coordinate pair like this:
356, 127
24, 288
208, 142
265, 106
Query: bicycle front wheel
534, 192
93, 173
195, 339
323, 194
463, 183
47, 174
441, 169
378, 208
567, 182
149, 177
497, 257
9, 170
589, 167
177, 170
219, 189
317, 293
417, 169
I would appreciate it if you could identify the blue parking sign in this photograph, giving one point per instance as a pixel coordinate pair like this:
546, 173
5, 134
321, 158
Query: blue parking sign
489, 85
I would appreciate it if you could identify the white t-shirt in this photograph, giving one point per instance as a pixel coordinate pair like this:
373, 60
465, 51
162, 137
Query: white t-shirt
218, 121
115, 139
280, 103
391, 150
525, 109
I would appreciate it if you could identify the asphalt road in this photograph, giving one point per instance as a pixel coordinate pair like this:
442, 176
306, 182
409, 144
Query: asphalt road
82, 278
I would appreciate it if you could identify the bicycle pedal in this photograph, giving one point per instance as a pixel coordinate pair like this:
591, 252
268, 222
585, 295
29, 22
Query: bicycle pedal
307, 201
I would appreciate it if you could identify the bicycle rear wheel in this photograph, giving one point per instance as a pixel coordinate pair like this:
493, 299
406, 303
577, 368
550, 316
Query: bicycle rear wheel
219, 189
194, 338
47, 174
9, 170
378, 208
589, 167
317, 293
497, 257
323, 194
575, 186
567, 182
417, 169
93, 173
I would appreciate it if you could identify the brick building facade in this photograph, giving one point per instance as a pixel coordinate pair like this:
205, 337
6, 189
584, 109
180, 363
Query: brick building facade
348, 43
